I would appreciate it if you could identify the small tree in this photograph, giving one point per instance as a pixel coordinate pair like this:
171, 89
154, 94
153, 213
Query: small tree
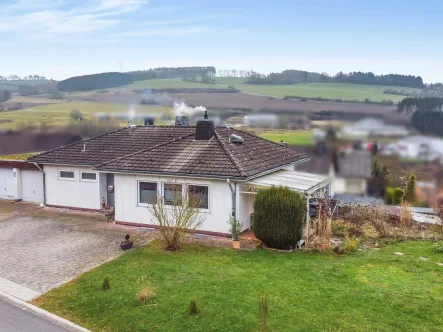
235, 227
374, 148
77, 115
279, 216
410, 189
176, 215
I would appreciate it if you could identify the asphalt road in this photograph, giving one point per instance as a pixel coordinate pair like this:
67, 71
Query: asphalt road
15, 319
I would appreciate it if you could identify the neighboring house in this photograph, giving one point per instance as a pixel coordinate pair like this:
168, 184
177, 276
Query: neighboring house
20, 180
417, 147
128, 166
373, 127
349, 171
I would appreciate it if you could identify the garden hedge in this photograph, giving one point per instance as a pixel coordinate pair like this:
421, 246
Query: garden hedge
279, 216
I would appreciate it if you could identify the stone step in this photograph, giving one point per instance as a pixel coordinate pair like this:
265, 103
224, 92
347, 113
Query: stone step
21, 292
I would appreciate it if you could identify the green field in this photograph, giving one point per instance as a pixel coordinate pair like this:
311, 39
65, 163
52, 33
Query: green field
343, 91
312, 90
370, 290
175, 83
292, 137
58, 114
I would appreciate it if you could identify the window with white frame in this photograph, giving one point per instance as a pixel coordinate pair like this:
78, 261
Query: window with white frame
201, 193
172, 193
89, 176
147, 192
66, 175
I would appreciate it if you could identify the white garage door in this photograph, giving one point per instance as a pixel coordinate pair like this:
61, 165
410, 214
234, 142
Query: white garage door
32, 186
6, 183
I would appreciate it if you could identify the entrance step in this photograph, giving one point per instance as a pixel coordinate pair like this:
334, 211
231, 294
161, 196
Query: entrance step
21, 292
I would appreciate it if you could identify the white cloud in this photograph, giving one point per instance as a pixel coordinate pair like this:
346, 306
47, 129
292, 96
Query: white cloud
174, 22
173, 32
22, 16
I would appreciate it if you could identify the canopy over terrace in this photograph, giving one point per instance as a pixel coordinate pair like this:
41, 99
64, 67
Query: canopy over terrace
311, 185
305, 183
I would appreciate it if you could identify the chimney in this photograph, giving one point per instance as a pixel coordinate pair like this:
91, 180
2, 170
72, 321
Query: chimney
149, 121
181, 120
205, 129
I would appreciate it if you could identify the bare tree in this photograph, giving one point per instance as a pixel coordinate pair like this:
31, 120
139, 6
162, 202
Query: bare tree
176, 213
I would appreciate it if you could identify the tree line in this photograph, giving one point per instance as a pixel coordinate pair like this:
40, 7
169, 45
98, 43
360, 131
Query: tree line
369, 78
173, 72
427, 114
5, 95
95, 81
25, 78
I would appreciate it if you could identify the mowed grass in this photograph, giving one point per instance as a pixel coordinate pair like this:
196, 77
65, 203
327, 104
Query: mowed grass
59, 114
312, 90
175, 83
365, 291
292, 137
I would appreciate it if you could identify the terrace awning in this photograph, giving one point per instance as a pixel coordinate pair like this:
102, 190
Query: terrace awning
306, 183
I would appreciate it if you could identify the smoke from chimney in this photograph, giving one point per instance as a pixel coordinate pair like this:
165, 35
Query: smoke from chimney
183, 109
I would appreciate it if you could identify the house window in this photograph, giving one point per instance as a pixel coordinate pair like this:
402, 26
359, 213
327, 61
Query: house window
172, 193
147, 192
201, 193
66, 175
89, 176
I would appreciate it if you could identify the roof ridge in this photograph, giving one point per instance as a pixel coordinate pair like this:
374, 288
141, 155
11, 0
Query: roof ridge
144, 150
83, 141
261, 138
229, 154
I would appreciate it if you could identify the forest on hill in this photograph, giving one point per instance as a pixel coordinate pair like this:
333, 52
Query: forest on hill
369, 78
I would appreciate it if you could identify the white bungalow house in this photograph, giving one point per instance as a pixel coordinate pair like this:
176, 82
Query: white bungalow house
126, 167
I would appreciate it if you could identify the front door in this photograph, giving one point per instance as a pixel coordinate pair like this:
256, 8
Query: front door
110, 189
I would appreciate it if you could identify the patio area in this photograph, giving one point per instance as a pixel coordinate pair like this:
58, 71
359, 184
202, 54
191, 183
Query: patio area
307, 184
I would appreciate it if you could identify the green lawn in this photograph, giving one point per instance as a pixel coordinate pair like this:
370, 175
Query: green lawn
312, 90
365, 291
58, 114
292, 137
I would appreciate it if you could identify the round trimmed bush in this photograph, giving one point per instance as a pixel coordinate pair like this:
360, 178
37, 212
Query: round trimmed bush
279, 216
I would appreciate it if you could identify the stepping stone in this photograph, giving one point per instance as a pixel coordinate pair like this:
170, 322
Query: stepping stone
440, 264
399, 253
376, 248
423, 258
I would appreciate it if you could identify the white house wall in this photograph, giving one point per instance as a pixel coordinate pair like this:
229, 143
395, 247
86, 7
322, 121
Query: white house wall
127, 208
71, 193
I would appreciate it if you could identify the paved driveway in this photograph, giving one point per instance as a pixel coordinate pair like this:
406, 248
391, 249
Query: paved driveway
41, 249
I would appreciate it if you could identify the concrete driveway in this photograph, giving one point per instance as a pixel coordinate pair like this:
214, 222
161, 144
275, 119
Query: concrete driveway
41, 249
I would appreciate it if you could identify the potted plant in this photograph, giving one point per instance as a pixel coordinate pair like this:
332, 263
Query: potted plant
127, 243
235, 229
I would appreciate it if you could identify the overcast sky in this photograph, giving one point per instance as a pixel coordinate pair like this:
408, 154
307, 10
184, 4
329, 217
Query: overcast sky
63, 38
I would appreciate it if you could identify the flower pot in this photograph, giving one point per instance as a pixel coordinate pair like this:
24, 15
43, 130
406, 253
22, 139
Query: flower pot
236, 244
126, 245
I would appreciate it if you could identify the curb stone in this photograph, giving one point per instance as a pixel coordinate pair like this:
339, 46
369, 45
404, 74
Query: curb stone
43, 314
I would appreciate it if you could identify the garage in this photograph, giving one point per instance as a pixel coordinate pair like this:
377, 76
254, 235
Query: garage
32, 186
7, 190
20, 180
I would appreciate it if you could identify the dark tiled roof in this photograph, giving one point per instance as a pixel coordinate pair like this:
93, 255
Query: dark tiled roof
112, 145
173, 150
